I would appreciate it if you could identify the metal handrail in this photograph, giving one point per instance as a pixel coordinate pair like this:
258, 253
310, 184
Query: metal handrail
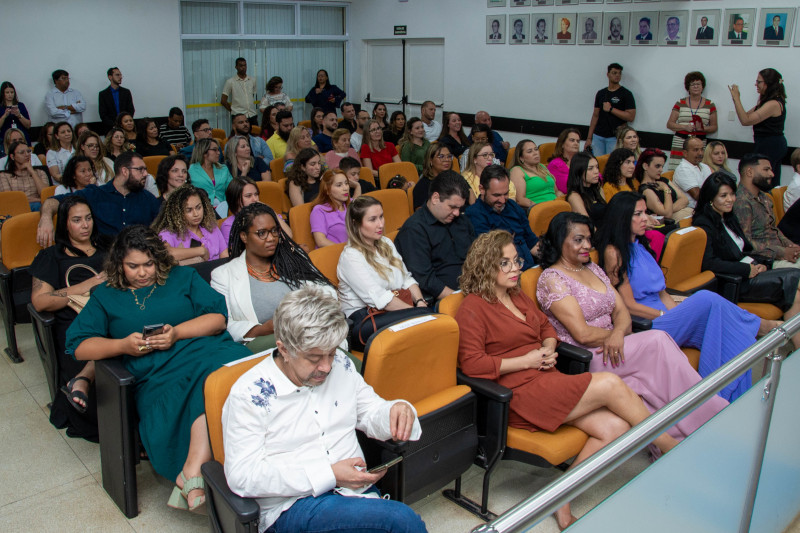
540, 505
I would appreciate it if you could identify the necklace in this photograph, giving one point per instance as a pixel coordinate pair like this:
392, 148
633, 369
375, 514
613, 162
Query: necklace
269, 275
141, 305
565, 267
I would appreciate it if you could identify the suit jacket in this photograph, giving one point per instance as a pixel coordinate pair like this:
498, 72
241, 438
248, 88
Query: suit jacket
732, 35
721, 255
771, 35
108, 111
707, 34
647, 37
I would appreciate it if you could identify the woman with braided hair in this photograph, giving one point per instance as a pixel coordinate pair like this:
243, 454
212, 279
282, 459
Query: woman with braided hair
267, 264
188, 226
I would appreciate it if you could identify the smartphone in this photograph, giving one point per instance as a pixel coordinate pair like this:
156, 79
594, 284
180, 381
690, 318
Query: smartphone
385, 466
152, 329
194, 243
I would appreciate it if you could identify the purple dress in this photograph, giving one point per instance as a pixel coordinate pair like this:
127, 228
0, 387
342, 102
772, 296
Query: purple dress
329, 222
212, 240
654, 367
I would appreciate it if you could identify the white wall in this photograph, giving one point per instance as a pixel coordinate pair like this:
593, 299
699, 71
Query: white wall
557, 83
87, 37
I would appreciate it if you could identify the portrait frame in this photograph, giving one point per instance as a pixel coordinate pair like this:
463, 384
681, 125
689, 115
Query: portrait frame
624, 18
748, 16
683, 25
618, 1
592, 1
495, 3
542, 2
571, 30
786, 16
519, 3
635, 30
646, 1
526, 29
713, 21
567, 2
501, 29
597, 21
534, 28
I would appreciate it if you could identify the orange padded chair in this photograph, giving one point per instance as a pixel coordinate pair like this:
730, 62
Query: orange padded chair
668, 174
777, 203
304, 124
540, 215
270, 193
545, 151
14, 203
276, 168
395, 207
219, 134
48, 192
510, 156
300, 222
326, 259
43, 159
286, 203
601, 162
456, 167
682, 260
255, 130
151, 162
366, 175
389, 170
410, 193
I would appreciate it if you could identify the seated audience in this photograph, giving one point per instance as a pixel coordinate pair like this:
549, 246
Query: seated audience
13, 113
351, 166
531, 179
266, 266
267, 453
705, 320
427, 112
207, 173
434, 240
586, 310
716, 157
584, 193
148, 141
375, 152
302, 180
241, 126
299, 139
277, 141
241, 163
397, 125
437, 159
790, 223
662, 197
20, 175
63, 148
348, 117
691, 172
317, 114
173, 130
324, 139
495, 210
506, 338
357, 136
188, 227
499, 146
240, 193
269, 123
116, 143
274, 94
618, 174
481, 133
45, 140
567, 145
413, 145
375, 288
728, 251
172, 173
77, 244
628, 138
11, 136
792, 192
328, 224
80, 128
89, 145
125, 122
381, 115
479, 157
78, 174
453, 135
201, 130
144, 287
119, 203
341, 148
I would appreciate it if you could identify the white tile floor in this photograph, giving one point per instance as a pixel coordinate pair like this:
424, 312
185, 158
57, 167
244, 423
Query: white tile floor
49, 481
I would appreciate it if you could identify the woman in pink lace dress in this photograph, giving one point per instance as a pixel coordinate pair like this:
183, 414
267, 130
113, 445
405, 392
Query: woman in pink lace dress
586, 310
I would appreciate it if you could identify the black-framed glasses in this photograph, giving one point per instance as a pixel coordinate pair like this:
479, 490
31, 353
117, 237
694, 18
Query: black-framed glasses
442, 157
263, 233
139, 169
507, 265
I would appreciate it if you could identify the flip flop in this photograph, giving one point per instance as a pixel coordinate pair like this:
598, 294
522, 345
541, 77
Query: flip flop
179, 499
72, 394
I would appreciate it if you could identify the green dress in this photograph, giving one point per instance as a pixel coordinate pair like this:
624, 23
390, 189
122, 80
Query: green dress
415, 154
169, 383
538, 189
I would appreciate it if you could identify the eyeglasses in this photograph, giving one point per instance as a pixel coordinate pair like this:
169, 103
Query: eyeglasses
263, 233
92, 146
696, 84
507, 266
442, 157
490, 155
213, 149
205, 130
139, 169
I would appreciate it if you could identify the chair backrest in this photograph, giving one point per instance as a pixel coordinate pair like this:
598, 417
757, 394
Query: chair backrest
777, 203
392, 235
682, 257
255, 130
270, 193
48, 192
389, 170
151, 162
449, 304
685, 222
366, 175
410, 194
218, 133
395, 207
601, 162
528, 281
545, 151
456, 167
304, 124
43, 159
18, 240
14, 203
286, 203
276, 168
510, 156
540, 215
216, 390
668, 174
413, 363
300, 222
326, 259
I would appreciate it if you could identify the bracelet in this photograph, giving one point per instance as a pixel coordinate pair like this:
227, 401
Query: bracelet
418, 300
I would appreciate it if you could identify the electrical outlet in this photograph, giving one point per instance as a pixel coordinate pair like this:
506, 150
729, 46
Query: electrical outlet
731, 115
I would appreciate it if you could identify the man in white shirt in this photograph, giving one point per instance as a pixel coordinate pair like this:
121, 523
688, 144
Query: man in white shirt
289, 428
63, 103
432, 128
792, 192
357, 137
241, 91
691, 173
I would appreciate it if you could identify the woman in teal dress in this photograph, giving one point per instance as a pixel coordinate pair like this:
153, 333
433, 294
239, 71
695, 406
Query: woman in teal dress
207, 173
533, 181
145, 288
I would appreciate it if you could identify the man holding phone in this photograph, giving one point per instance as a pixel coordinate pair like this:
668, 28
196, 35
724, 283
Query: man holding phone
289, 428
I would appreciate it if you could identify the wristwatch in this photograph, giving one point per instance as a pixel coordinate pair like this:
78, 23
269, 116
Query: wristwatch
418, 301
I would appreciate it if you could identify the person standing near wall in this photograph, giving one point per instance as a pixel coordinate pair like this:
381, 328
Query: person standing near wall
613, 107
114, 99
241, 91
63, 103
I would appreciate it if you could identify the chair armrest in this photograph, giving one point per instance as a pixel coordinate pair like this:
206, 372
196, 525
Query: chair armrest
45, 318
573, 359
728, 286
484, 387
640, 323
4, 272
226, 508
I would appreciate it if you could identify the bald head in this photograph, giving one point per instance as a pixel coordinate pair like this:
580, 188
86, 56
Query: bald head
693, 150
482, 117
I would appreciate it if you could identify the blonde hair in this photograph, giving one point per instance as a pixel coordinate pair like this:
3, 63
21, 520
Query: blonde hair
621, 132
479, 273
294, 137
472, 154
100, 163
708, 161
375, 147
355, 216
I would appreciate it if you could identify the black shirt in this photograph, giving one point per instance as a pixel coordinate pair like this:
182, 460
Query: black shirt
607, 123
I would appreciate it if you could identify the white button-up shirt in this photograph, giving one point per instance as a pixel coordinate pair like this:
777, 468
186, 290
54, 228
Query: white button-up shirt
241, 95
688, 176
281, 439
432, 131
55, 98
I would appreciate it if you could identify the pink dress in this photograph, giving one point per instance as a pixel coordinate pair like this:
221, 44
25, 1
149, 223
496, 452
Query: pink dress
654, 367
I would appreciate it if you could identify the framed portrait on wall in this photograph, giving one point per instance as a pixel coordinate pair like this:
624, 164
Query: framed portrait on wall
705, 27
542, 28
519, 29
674, 27
565, 28
738, 26
646, 1
615, 28
567, 2
495, 3
592, 1
589, 25
618, 1
775, 27
644, 28
495, 29
543, 2
520, 3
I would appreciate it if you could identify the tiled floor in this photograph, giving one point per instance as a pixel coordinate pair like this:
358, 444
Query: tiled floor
49, 481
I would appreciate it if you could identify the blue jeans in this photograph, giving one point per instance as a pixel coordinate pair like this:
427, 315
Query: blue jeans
603, 145
331, 512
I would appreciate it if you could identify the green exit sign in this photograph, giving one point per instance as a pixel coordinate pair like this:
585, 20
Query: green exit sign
401, 30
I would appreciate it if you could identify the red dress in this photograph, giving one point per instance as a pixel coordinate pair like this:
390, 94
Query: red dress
489, 332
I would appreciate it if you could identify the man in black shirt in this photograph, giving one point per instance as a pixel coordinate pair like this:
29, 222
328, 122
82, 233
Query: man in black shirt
613, 107
348, 117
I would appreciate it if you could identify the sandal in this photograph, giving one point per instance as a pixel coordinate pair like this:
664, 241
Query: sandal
179, 499
72, 394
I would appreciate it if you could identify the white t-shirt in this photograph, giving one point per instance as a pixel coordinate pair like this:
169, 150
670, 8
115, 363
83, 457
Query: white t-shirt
790, 196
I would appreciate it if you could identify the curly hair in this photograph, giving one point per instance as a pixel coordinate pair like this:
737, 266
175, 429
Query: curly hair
324, 197
354, 217
479, 273
141, 239
693, 76
297, 174
172, 217
613, 170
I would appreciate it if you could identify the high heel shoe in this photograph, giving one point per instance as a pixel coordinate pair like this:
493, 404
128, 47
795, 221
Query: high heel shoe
179, 499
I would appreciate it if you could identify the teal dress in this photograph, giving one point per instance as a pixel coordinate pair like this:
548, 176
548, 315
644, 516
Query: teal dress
169, 383
216, 189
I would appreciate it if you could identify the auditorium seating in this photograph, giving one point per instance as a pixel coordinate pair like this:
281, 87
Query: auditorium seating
300, 222
395, 207
389, 170
541, 214
777, 203
682, 259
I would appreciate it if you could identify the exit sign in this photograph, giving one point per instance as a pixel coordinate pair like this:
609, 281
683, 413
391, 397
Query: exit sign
401, 30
